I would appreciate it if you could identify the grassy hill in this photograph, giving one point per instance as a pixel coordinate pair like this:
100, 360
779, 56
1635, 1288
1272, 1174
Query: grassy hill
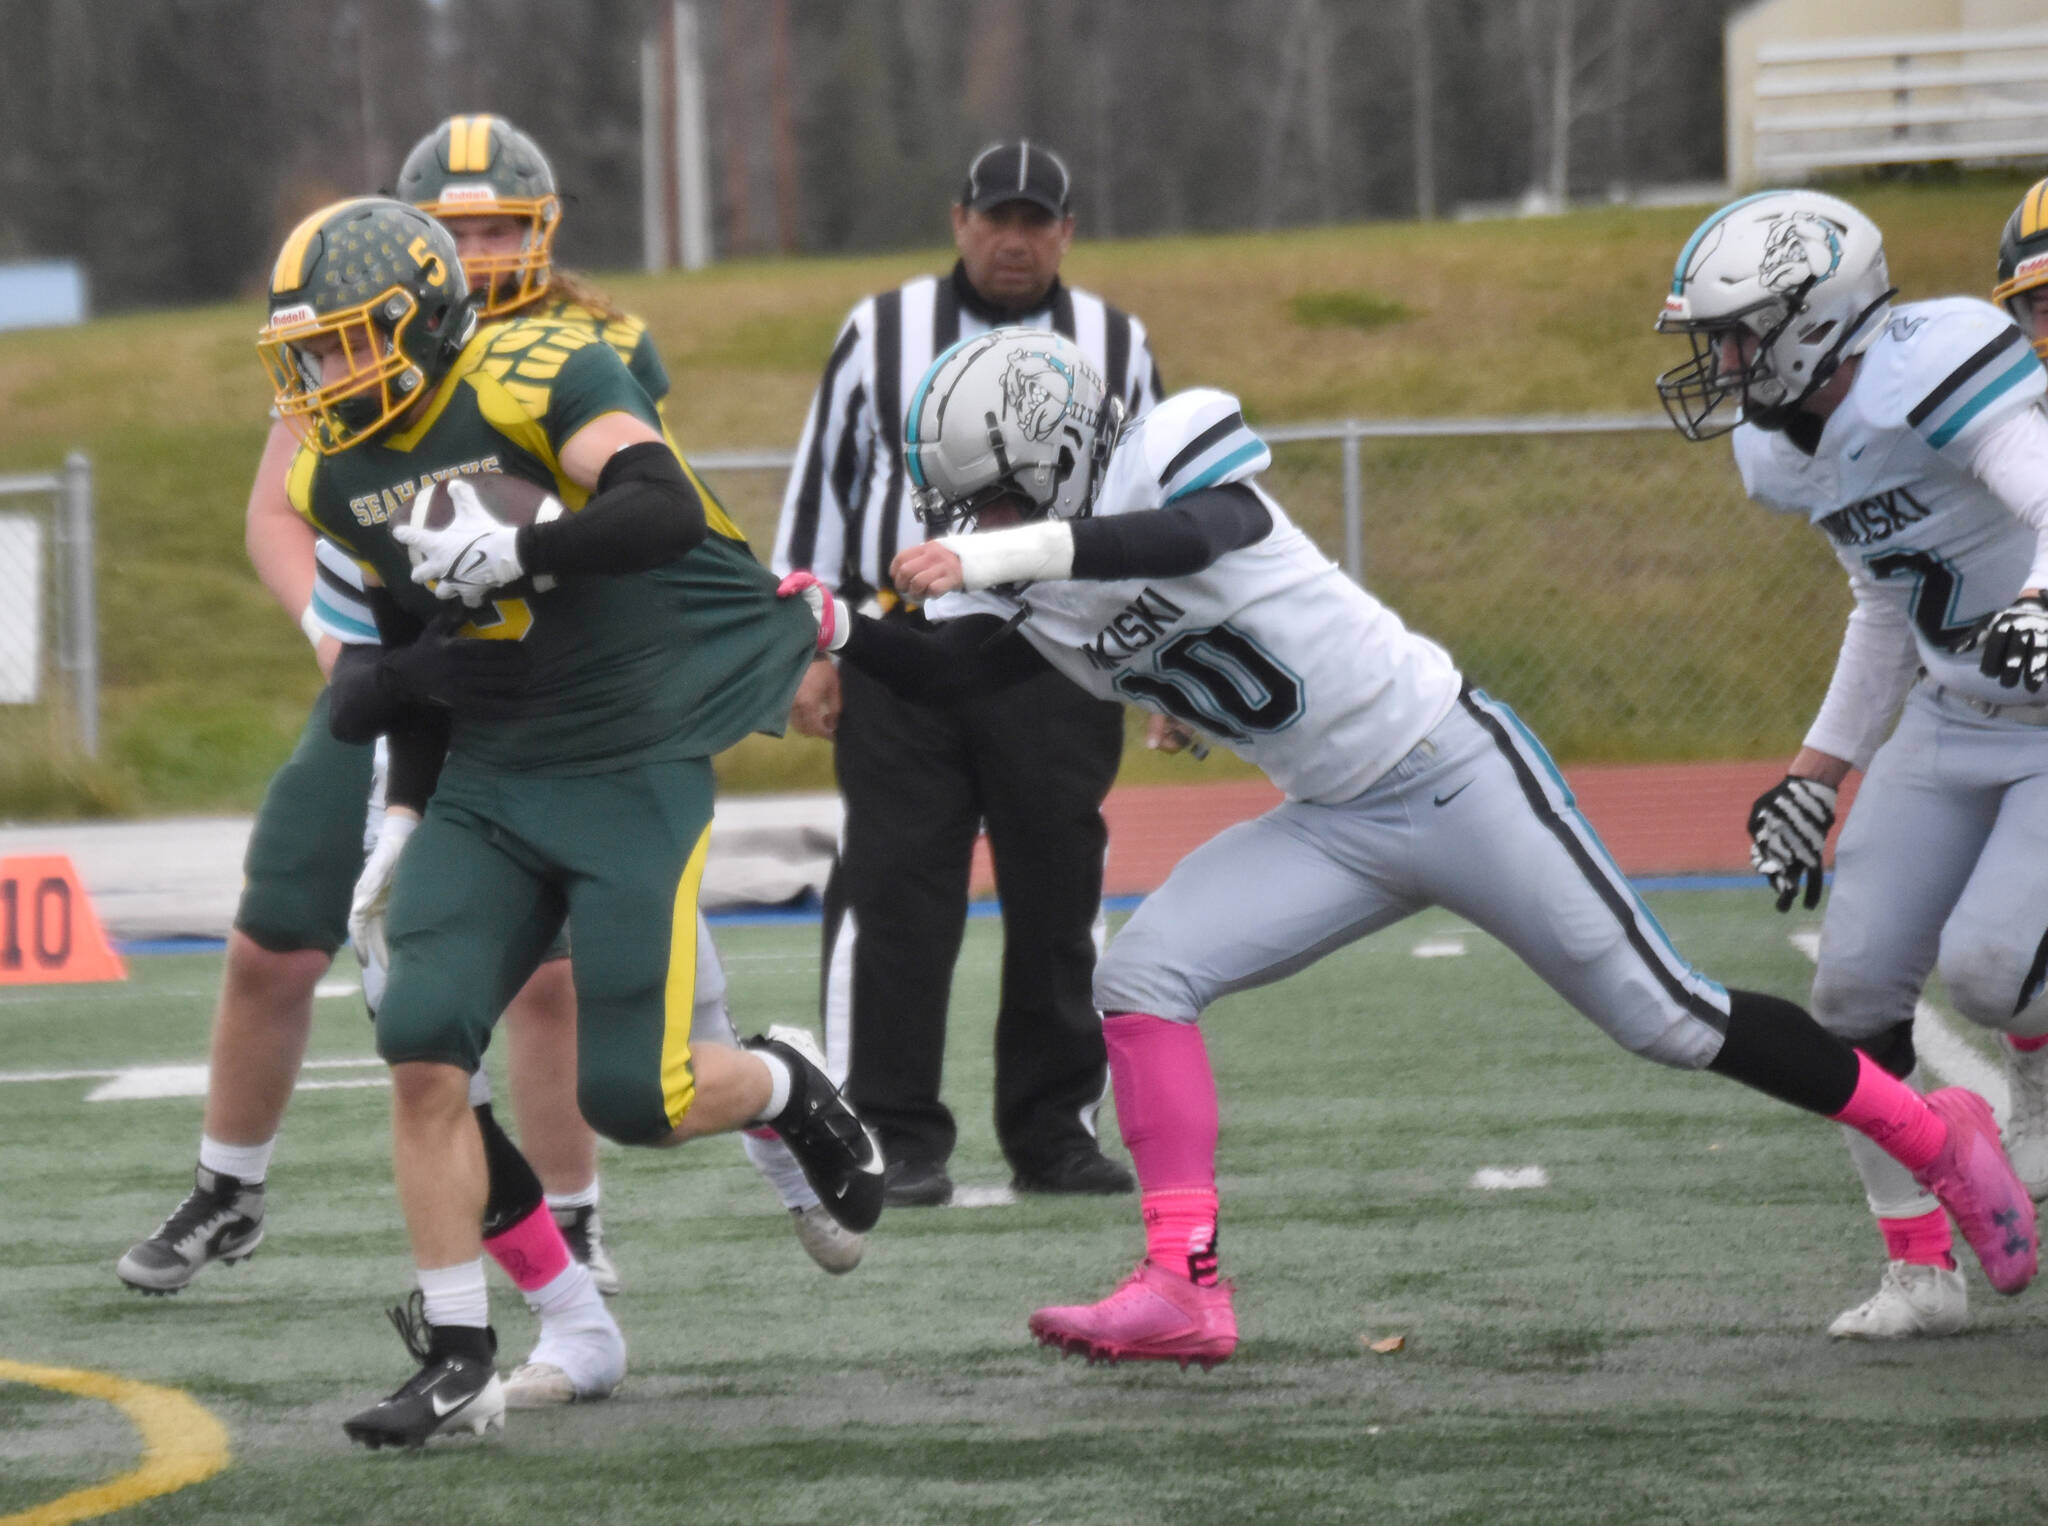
206, 683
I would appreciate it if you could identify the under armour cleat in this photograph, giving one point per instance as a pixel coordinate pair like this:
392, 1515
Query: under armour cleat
1975, 1182
1153, 1316
2026, 1123
840, 1157
1912, 1301
826, 1241
221, 1219
456, 1388
570, 1364
584, 1231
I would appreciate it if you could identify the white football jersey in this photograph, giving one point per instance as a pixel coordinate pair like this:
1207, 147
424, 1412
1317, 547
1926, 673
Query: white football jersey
1929, 548
1271, 649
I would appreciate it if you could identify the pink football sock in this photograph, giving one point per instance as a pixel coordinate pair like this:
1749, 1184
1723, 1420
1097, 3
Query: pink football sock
2027, 1046
1894, 1116
532, 1252
1166, 1108
1924, 1240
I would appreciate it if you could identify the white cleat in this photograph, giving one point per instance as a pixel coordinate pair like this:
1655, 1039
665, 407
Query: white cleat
826, 1241
573, 1366
1912, 1302
2026, 1124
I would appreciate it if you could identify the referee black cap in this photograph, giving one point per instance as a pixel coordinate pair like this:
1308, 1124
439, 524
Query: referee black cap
1018, 171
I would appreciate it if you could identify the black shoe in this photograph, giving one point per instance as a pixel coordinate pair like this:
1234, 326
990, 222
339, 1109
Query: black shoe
841, 1160
584, 1231
1087, 1172
912, 1183
456, 1388
221, 1219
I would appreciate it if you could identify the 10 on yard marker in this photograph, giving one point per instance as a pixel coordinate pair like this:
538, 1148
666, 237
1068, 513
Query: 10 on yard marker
49, 932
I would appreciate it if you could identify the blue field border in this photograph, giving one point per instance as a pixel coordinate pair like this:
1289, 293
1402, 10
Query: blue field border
808, 909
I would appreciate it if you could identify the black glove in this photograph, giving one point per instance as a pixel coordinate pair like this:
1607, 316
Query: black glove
1788, 828
470, 675
2014, 643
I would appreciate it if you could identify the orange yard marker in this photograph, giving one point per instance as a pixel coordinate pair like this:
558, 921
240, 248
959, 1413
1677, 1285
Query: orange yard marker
49, 932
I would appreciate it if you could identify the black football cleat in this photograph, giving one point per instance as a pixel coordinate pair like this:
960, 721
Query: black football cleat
840, 1158
221, 1219
456, 1388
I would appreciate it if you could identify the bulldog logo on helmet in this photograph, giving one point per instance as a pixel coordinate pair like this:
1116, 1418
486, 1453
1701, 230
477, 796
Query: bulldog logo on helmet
1038, 391
1801, 249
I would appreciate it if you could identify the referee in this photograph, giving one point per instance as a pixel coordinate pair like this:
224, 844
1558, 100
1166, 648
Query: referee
1031, 765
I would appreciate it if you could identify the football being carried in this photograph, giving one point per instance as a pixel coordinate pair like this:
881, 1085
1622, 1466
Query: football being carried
463, 534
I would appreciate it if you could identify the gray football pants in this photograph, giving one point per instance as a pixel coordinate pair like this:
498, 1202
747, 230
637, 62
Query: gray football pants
1475, 819
1943, 864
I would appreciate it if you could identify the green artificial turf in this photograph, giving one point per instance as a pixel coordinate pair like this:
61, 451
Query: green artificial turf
1640, 1341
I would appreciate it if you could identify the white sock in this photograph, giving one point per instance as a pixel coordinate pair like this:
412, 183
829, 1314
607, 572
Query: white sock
571, 1291
456, 1295
772, 1159
245, 1163
562, 1203
779, 1083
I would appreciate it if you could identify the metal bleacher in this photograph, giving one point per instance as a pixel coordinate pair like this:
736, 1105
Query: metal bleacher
1969, 96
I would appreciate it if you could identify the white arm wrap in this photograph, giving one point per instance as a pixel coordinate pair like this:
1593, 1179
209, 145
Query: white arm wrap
1034, 553
310, 623
2012, 461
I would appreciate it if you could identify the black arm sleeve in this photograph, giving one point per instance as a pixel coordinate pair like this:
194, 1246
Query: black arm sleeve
362, 702
644, 514
419, 745
976, 654
1170, 542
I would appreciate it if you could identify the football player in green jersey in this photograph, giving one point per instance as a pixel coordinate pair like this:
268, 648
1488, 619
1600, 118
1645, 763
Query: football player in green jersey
594, 663
492, 187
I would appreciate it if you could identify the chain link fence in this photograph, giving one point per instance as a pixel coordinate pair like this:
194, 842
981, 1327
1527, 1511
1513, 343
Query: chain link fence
49, 632
1602, 575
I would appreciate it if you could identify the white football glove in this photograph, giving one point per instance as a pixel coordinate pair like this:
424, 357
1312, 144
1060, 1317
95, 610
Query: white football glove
372, 899
468, 557
835, 620
1788, 828
2014, 643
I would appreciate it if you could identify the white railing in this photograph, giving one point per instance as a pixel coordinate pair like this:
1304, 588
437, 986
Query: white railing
1973, 96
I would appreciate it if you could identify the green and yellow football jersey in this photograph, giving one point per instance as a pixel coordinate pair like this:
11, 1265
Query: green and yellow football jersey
624, 333
678, 662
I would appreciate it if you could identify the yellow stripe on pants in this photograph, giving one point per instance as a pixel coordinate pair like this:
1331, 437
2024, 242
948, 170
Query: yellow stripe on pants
679, 999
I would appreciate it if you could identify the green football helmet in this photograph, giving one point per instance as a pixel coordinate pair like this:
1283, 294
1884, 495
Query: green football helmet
483, 166
2023, 261
368, 309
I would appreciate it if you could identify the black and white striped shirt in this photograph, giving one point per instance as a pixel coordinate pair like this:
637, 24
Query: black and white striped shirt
847, 507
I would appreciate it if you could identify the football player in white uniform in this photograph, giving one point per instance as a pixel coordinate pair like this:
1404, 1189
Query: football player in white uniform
1911, 435
1150, 566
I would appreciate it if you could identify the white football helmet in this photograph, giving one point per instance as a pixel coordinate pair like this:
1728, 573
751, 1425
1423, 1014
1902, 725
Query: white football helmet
1802, 275
1010, 413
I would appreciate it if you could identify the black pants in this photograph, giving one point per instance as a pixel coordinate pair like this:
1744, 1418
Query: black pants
1033, 763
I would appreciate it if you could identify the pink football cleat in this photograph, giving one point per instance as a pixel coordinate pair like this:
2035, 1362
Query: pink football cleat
1153, 1316
1976, 1184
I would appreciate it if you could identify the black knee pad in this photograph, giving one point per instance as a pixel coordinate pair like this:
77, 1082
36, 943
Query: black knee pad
1893, 1049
